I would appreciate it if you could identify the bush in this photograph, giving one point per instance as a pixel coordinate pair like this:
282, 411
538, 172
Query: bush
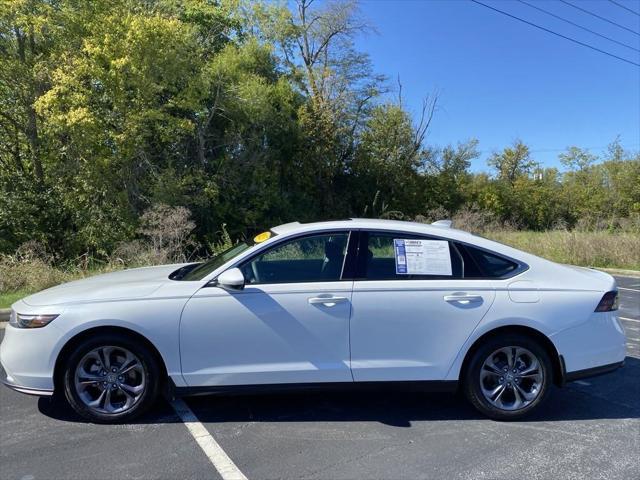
471, 219
224, 243
136, 253
30, 268
167, 230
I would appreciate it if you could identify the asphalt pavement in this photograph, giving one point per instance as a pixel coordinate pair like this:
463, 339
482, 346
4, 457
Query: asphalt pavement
588, 429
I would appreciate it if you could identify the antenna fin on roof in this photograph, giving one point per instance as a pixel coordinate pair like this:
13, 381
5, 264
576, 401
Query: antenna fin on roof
443, 223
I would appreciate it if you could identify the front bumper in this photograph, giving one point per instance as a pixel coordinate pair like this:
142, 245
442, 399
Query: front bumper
9, 382
27, 359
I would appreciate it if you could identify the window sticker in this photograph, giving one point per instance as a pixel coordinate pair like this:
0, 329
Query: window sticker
422, 257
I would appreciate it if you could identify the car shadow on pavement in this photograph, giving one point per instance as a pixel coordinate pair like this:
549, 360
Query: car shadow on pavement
612, 396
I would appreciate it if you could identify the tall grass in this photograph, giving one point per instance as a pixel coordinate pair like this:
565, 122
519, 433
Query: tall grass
589, 249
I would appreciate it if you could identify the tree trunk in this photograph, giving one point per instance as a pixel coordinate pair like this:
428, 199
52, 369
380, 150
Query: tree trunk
31, 129
34, 143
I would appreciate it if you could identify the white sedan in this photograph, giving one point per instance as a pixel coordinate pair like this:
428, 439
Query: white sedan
344, 303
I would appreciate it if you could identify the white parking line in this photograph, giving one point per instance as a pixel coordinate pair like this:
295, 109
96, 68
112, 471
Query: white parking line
629, 289
629, 319
582, 382
220, 460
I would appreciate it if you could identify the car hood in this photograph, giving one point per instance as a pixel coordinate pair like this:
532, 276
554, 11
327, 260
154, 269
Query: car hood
121, 285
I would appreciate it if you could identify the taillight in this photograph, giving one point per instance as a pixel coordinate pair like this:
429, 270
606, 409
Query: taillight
609, 302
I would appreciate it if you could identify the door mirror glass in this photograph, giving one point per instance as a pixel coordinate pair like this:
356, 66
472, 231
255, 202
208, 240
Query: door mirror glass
231, 279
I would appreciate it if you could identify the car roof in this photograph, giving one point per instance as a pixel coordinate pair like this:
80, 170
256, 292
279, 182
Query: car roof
442, 227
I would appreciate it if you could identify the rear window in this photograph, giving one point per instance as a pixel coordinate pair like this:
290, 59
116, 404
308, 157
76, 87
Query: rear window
482, 264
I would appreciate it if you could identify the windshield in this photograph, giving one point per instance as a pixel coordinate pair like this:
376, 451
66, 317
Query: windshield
205, 268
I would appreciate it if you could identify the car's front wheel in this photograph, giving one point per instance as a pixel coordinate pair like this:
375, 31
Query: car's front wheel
111, 378
508, 377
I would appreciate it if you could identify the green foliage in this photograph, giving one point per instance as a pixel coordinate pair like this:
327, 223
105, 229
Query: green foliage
388, 160
577, 159
7, 299
513, 162
224, 243
245, 115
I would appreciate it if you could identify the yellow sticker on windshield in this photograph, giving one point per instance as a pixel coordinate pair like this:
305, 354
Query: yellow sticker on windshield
262, 237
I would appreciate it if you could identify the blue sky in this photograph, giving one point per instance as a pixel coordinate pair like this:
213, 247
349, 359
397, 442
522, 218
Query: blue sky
500, 79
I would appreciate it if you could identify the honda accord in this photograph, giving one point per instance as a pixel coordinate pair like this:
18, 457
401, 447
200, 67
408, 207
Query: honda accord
347, 303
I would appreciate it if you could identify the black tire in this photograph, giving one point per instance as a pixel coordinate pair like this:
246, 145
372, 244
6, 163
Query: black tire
149, 366
472, 383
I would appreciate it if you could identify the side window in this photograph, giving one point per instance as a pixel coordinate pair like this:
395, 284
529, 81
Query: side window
379, 259
316, 258
482, 264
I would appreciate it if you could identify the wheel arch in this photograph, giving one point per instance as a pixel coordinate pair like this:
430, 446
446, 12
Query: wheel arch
71, 343
545, 342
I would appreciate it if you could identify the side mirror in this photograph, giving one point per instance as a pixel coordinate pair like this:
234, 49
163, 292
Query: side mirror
231, 279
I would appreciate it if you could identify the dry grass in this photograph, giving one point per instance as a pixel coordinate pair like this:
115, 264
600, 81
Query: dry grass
589, 249
30, 275
31, 269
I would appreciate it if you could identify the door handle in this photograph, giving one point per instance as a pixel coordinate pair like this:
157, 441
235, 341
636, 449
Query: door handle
463, 298
327, 301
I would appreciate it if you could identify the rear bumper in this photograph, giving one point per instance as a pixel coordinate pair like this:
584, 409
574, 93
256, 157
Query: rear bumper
598, 344
591, 372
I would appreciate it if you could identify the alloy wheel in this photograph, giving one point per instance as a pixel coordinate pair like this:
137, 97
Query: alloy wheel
511, 378
110, 379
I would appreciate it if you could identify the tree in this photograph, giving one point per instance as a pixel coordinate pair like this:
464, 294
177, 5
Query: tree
577, 159
387, 160
537, 203
247, 114
316, 46
26, 43
512, 162
448, 174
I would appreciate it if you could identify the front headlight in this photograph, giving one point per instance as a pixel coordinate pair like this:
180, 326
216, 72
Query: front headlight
19, 320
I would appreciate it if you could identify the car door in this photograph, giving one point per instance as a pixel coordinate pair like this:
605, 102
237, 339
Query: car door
408, 326
289, 324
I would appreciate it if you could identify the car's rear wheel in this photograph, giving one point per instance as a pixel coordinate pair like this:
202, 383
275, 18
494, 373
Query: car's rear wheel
508, 377
111, 379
